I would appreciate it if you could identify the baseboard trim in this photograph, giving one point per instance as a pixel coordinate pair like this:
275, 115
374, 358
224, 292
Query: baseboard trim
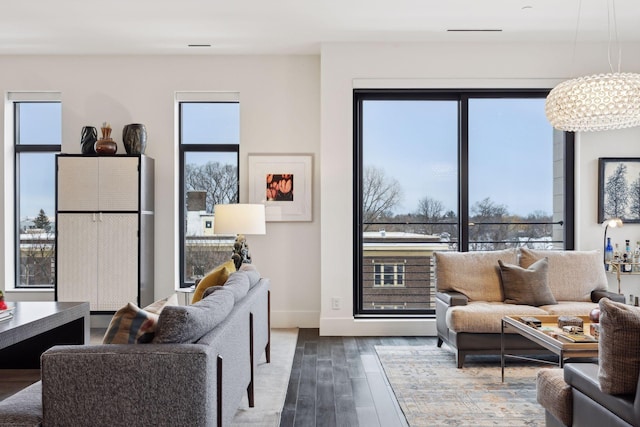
295, 319
349, 326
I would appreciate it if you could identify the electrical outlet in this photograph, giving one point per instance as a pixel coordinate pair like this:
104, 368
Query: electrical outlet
335, 303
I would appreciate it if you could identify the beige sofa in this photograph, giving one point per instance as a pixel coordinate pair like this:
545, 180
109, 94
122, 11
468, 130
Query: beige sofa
470, 298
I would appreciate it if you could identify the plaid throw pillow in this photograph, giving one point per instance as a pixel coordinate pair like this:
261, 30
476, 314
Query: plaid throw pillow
134, 325
619, 347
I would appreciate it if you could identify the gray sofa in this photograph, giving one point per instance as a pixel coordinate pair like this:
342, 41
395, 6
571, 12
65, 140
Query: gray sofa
470, 300
191, 376
606, 393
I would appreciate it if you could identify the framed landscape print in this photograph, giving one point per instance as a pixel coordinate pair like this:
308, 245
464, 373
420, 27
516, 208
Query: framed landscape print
283, 184
619, 189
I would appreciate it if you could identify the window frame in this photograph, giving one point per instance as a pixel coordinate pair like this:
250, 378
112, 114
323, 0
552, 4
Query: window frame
381, 276
183, 149
16, 99
462, 96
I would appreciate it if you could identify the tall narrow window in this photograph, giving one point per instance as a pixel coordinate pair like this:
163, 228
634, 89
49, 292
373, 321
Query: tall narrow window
37, 139
451, 171
209, 149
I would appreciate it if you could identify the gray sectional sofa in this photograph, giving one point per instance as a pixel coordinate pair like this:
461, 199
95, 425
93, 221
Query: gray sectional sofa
194, 373
470, 298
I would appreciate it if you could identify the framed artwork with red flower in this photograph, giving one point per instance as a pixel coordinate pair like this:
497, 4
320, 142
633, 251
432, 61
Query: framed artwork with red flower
283, 183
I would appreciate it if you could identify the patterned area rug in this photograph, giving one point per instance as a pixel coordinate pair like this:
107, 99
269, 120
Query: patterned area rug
432, 391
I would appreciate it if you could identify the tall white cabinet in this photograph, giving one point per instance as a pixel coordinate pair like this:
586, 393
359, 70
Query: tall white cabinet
104, 226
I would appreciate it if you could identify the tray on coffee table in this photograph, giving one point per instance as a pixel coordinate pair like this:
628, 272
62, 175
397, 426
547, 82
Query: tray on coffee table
549, 336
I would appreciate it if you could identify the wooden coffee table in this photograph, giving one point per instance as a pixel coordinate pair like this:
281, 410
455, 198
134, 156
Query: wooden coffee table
38, 326
559, 346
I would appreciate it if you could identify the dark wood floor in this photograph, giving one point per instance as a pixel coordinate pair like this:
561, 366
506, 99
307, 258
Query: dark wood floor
338, 381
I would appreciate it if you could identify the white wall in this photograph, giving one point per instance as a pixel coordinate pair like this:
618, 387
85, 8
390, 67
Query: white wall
279, 107
303, 104
345, 66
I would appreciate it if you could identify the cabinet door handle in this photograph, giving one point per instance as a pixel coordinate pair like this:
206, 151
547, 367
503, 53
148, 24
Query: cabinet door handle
94, 217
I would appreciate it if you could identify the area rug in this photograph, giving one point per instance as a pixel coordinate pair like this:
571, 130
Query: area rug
432, 391
271, 384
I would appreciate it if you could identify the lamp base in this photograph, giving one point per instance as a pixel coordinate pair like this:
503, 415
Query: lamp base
241, 253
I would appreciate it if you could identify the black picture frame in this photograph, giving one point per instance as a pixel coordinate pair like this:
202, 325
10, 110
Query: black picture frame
619, 189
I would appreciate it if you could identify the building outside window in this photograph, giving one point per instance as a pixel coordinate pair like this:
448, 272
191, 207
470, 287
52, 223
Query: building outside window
388, 274
451, 170
37, 129
209, 150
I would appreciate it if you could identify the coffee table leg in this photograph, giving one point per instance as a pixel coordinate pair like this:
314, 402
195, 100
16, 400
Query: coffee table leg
502, 348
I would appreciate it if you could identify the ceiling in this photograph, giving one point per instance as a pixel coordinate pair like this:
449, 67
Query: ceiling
295, 26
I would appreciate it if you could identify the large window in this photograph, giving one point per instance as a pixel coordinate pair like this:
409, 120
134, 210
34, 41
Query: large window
209, 149
451, 171
37, 139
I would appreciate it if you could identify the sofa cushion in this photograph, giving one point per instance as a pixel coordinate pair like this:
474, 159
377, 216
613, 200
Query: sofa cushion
252, 273
485, 317
474, 274
215, 277
526, 286
554, 394
572, 274
134, 325
619, 347
570, 308
187, 324
238, 284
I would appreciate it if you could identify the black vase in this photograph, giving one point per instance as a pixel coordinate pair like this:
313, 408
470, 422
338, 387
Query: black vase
88, 140
134, 138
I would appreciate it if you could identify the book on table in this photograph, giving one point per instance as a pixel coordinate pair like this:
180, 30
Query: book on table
578, 338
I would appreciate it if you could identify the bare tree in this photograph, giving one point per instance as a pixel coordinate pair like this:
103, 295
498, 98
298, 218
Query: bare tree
487, 233
220, 181
634, 196
37, 252
379, 194
616, 193
430, 211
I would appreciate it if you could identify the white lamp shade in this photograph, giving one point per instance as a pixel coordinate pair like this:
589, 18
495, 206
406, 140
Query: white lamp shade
239, 218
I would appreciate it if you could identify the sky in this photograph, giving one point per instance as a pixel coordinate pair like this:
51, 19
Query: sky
41, 123
510, 154
415, 142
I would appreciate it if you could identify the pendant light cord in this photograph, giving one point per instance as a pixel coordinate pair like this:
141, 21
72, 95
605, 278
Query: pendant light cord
575, 40
613, 33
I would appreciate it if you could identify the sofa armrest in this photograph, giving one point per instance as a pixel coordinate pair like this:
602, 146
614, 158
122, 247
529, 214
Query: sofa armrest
598, 294
584, 378
452, 298
136, 384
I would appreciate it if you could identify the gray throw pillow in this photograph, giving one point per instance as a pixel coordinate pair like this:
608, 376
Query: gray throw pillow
188, 323
618, 347
526, 286
252, 272
237, 283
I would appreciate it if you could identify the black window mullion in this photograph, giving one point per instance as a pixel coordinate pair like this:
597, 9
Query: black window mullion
463, 175
463, 97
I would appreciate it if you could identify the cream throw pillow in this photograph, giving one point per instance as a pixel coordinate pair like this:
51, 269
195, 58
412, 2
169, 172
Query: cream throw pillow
572, 274
474, 274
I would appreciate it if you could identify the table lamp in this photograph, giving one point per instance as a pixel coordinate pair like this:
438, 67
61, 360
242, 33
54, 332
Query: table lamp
239, 219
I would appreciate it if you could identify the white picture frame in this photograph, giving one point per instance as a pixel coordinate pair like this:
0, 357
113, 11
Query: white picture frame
283, 183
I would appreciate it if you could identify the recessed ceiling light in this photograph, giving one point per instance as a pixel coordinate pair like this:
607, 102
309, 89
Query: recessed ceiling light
477, 30
199, 45
527, 7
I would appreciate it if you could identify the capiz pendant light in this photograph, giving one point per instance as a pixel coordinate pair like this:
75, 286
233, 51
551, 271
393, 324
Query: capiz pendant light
597, 102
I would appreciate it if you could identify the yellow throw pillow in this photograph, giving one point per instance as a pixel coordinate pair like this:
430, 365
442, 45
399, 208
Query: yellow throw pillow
216, 277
